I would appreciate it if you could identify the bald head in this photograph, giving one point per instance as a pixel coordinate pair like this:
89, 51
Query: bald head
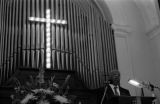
114, 77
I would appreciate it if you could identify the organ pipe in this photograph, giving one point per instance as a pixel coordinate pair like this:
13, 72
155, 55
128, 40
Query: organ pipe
85, 44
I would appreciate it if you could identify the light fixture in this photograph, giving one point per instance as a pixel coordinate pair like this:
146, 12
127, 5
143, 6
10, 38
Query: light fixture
135, 83
58, 21
48, 21
48, 65
64, 22
138, 84
31, 18
37, 19
42, 20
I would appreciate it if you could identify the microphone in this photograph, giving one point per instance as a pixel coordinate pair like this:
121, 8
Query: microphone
150, 86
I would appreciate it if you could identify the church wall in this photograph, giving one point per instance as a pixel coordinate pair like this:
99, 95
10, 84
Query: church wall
128, 22
155, 47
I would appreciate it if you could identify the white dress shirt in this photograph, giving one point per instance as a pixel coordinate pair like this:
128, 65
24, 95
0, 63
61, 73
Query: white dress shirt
112, 86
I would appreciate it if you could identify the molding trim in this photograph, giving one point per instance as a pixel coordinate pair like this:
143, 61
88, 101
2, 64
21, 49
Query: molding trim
154, 32
121, 30
104, 10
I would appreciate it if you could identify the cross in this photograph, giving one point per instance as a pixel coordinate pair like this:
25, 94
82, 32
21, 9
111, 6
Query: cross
48, 22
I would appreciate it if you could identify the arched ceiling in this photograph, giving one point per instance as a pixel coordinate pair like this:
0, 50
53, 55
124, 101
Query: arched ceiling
132, 13
149, 10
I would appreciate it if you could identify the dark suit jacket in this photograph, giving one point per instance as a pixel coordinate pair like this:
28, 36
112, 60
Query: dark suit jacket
109, 94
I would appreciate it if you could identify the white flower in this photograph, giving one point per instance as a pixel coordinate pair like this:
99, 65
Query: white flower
61, 99
46, 91
36, 90
43, 102
27, 98
41, 95
55, 85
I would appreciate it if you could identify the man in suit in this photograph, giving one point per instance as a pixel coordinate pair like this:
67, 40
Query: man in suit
112, 88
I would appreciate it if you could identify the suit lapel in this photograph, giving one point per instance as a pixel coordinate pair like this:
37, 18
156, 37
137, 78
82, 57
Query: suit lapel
110, 91
122, 92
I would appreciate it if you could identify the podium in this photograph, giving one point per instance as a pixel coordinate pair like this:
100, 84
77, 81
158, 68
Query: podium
131, 100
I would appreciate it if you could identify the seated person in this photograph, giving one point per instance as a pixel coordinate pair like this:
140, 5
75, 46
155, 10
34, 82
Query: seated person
112, 88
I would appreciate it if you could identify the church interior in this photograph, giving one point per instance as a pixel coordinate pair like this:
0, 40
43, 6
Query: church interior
77, 43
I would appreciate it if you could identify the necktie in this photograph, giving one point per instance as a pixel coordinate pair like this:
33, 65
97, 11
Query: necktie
115, 91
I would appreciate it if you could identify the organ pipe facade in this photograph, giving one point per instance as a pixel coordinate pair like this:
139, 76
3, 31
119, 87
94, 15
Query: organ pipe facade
84, 44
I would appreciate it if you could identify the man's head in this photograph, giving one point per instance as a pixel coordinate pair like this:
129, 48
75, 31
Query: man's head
114, 77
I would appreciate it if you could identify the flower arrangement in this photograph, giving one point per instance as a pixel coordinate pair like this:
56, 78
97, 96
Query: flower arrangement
38, 91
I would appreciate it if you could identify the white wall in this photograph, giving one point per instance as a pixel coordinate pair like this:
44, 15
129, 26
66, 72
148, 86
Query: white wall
138, 55
155, 45
124, 60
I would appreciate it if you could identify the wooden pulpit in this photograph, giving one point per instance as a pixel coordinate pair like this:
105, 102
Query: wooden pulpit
131, 100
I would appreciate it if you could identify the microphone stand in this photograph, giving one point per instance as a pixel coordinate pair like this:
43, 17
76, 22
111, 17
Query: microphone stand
152, 90
153, 87
142, 92
104, 94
